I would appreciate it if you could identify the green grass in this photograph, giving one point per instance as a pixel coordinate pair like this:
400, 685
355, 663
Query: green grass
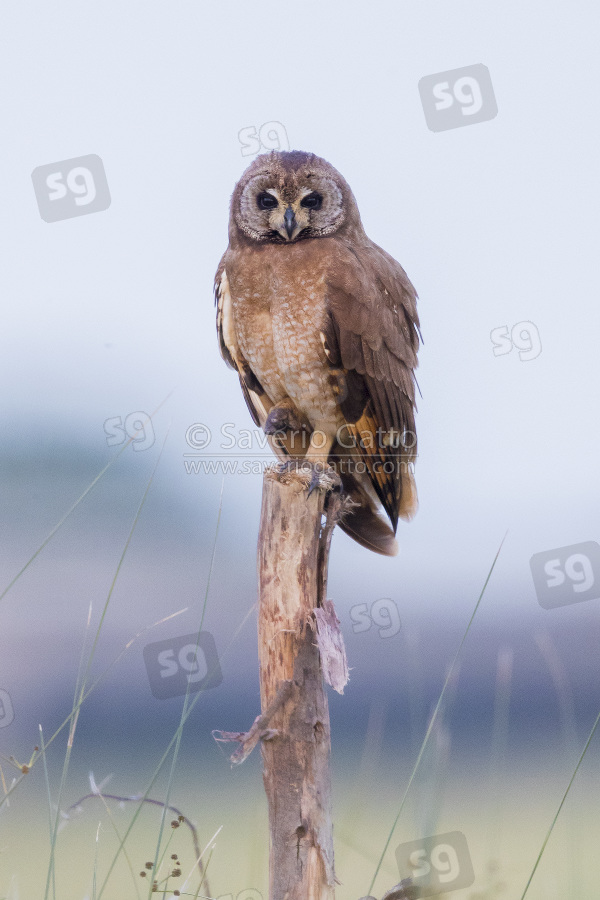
115, 873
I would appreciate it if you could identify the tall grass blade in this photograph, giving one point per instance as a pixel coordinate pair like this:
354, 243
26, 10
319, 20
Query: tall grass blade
433, 718
561, 804
186, 699
504, 670
82, 680
72, 508
49, 795
70, 717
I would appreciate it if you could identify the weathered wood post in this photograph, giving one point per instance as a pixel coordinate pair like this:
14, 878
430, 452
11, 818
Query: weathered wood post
299, 646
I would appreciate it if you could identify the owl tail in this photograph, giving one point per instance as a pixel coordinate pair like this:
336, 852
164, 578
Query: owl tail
365, 522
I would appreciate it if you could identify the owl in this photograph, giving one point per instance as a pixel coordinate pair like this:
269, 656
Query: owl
321, 325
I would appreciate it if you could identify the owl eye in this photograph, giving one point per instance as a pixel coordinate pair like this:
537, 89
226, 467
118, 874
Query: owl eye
312, 201
266, 201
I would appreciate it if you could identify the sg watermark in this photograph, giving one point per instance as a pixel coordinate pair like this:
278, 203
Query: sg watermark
270, 136
7, 712
383, 614
458, 97
71, 187
437, 864
524, 336
137, 426
567, 575
181, 663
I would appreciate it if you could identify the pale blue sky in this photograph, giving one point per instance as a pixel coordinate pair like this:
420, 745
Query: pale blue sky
496, 223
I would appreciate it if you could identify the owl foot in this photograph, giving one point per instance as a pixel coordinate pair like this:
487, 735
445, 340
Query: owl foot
316, 477
284, 418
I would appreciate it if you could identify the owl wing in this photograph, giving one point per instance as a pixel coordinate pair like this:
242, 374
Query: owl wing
372, 333
257, 400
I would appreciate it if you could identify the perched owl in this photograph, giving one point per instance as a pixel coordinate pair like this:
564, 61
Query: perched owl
321, 325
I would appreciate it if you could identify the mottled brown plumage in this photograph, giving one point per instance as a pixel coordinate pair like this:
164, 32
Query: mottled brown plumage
321, 325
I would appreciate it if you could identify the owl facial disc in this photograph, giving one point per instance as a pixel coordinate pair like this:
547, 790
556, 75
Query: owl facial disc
280, 203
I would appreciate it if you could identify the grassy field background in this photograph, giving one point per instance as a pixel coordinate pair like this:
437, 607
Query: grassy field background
519, 705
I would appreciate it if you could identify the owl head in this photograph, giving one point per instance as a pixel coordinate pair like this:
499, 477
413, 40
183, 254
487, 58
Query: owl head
284, 197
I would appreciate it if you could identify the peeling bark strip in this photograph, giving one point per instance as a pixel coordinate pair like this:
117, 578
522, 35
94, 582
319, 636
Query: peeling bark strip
331, 646
295, 533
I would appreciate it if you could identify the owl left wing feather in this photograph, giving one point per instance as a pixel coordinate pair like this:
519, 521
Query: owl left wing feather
258, 402
256, 399
372, 333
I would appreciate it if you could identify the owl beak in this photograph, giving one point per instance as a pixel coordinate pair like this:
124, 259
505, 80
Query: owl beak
289, 219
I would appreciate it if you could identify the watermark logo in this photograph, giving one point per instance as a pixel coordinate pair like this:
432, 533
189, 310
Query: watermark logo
7, 713
524, 336
199, 436
137, 426
72, 187
383, 613
270, 136
458, 97
396, 449
176, 663
567, 575
437, 864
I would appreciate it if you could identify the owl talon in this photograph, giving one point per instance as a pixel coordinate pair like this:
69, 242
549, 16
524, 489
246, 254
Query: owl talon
315, 478
282, 419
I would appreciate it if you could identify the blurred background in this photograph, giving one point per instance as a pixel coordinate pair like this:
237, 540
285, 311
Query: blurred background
468, 135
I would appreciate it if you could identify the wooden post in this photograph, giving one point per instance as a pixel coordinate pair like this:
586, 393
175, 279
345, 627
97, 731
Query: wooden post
295, 628
300, 646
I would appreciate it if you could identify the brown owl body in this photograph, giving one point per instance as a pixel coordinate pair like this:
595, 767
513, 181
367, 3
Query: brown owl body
321, 325
280, 314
